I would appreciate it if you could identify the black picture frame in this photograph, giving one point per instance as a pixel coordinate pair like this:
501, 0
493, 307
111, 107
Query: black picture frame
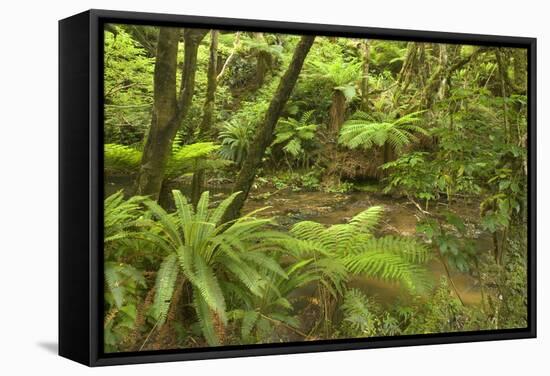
81, 187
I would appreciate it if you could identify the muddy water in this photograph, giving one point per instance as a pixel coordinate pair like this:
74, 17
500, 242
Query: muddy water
400, 218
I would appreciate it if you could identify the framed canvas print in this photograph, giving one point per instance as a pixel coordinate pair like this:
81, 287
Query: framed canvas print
235, 187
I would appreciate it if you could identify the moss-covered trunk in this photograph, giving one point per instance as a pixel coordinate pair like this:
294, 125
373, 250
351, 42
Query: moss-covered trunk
159, 138
168, 109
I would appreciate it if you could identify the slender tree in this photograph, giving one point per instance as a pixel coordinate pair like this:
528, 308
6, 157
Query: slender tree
205, 128
169, 109
264, 134
365, 50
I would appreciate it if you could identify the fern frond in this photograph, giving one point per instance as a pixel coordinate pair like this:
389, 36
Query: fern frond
206, 319
209, 288
169, 226
265, 262
248, 322
164, 287
388, 266
218, 213
247, 275
367, 220
307, 230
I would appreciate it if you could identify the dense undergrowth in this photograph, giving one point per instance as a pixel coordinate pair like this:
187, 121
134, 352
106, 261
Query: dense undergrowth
438, 126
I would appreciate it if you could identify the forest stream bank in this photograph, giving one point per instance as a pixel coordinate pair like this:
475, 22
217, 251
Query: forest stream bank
288, 207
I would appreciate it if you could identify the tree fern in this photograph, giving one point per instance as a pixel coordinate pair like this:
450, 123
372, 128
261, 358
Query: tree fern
363, 132
343, 75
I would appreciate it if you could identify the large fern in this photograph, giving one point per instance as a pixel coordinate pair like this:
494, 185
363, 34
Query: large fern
235, 140
354, 246
362, 131
206, 250
343, 75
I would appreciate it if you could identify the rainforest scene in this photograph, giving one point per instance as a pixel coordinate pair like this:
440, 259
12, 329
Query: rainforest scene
272, 188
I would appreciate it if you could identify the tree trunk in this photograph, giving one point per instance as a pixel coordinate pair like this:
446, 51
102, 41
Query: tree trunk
337, 112
406, 72
365, 49
444, 73
168, 110
236, 46
192, 39
205, 129
502, 71
157, 144
264, 133
263, 62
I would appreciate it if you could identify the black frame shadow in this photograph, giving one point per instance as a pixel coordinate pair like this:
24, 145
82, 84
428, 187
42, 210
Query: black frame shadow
81, 187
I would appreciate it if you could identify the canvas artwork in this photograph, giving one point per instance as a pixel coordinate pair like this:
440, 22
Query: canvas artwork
263, 187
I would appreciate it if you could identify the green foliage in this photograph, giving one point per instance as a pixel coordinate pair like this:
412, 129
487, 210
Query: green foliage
128, 88
456, 140
351, 248
341, 74
194, 157
415, 175
296, 137
450, 238
184, 159
206, 250
359, 318
443, 313
235, 139
261, 315
121, 158
361, 131
167, 276
124, 283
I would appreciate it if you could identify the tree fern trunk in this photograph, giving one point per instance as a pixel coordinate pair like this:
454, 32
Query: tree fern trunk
337, 112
